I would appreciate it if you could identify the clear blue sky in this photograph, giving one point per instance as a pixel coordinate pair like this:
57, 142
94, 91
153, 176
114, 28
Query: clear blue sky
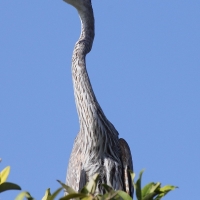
145, 71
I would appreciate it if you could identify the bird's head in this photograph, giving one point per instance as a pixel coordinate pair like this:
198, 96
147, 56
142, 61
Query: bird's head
79, 4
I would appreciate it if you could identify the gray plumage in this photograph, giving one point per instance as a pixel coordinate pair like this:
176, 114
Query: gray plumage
97, 148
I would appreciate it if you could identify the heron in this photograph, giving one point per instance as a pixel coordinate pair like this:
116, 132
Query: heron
97, 147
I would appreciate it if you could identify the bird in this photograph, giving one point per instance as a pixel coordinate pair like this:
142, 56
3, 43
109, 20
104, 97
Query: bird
97, 147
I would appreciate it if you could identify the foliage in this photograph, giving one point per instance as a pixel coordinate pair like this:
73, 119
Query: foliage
151, 191
4, 186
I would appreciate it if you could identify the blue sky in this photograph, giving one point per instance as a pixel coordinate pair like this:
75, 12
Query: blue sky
145, 71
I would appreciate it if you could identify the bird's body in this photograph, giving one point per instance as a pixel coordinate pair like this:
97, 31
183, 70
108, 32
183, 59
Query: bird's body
97, 148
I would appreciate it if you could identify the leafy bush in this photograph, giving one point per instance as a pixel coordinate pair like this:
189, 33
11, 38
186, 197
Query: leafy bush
151, 191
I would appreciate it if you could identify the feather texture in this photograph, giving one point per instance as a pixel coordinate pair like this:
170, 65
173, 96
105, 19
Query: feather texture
97, 148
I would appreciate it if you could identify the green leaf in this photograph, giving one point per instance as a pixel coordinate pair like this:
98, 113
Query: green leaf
138, 186
99, 197
132, 176
8, 186
146, 189
87, 198
150, 196
75, 195
21, 196
155, 187
167, 188
68, 189
151, 192
107, 188
110, 193
113, 196
164, 190
106, 195
84, 190
4, 174
47, 194
53, 196
91, 186
124, 195
160, 196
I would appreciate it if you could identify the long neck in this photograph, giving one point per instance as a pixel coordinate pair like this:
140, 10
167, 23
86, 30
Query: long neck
87, 30
86, 102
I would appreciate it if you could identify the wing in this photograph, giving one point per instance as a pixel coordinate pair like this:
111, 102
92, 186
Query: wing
127, 165
76, 177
